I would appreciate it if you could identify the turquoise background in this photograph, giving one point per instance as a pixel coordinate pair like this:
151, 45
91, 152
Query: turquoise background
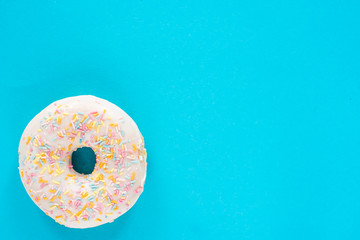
250, 111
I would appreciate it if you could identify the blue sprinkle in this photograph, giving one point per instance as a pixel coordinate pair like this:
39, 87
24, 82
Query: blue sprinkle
87, 118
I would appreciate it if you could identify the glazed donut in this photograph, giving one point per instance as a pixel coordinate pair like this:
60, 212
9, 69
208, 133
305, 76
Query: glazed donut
70, 198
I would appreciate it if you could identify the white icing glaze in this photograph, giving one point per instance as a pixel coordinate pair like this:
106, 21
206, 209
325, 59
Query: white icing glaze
72, 199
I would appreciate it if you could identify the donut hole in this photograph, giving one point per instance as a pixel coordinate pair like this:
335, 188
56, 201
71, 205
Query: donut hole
83, 160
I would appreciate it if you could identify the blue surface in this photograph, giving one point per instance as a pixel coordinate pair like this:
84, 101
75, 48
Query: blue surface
250, 111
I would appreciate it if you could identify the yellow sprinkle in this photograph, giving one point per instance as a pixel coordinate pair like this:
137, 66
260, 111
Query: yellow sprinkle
79, 213
111, 177
98, 129
68, 211
39, 130
59, 216
98, 219
74, 116
134, 147
55, 182
133, 176
84, 117
66, 192
53, 207
52, 190
27, 142
101, 164
84, 195
99, 177
59, 172
42, 180
22, 172
53, 198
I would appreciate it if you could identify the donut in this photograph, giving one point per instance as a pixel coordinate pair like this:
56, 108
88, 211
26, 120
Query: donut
45, 161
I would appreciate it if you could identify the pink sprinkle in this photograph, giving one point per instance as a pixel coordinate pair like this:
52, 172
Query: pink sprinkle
77, 204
